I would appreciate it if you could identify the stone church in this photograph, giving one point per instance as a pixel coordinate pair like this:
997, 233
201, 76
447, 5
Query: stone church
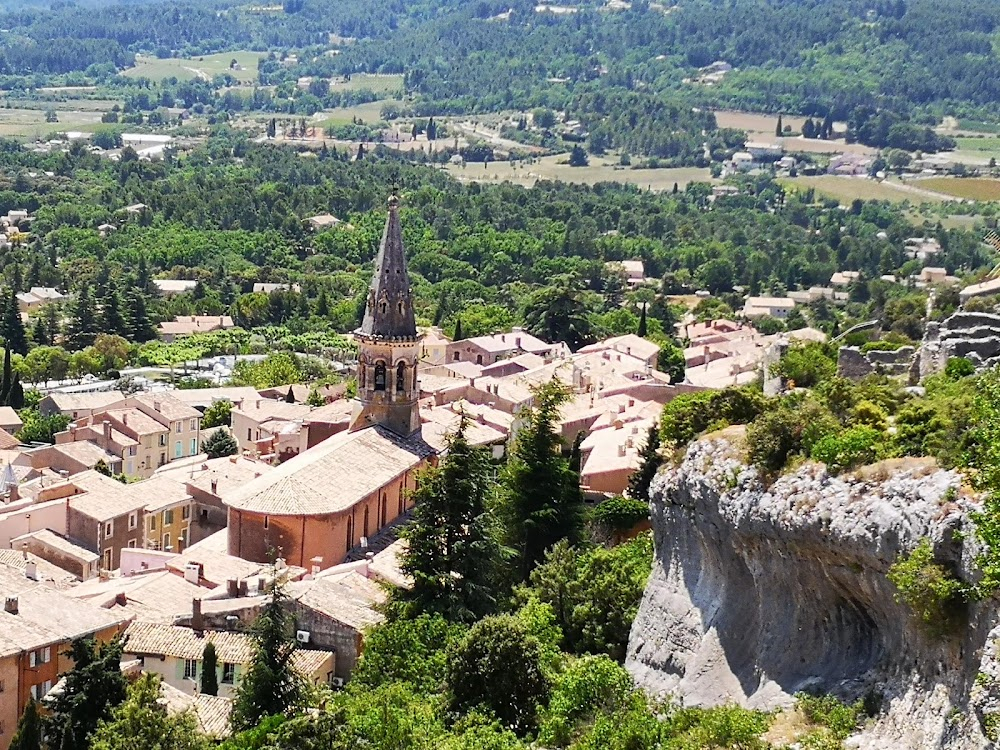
315, 508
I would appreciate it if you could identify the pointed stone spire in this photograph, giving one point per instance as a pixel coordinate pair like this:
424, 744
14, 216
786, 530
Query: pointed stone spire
389, 309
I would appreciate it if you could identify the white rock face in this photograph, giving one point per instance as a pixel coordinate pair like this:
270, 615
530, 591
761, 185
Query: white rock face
760, 592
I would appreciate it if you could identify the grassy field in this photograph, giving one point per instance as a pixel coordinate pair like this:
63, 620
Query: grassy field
978, 188
556, 168
987, 145
762, 128
206, 66
30, 123
367, 113
847, 189
380, 84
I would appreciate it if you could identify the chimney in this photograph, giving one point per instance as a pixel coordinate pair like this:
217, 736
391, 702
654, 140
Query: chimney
10, 605
107, 430
196, 619
13, 494
215, 486
156, 405
31, 570
192, 573
517, 342
621, 450
631, 403
244, 589
232, 588
72, 431
125, 419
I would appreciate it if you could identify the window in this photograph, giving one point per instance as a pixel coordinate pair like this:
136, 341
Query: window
46, 687
131, 543
163, 458
178, 427
107, 559
194, 425
479, 359
182, 541
128, 467
35, 692
168, 517
152, 523
400, 377
32, 659
109, 528
383, 510
249, 434
350, 533
133, 450
380, 376
46, 655
366, 520
454, 357
166, 543
267, 522
194, 447
178, 449
228, 673
190, 669
131, 521
163, 441
1, 686
185, 512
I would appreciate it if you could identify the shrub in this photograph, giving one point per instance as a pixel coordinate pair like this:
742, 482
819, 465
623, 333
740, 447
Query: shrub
884, 345
792, 428
806, 365
926, 587
958, 368
853, 447
619, 513
869, 414
691, 413
836, 719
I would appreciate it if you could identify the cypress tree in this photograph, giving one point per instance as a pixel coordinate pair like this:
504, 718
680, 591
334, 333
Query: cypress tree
270, 686
642, 322
13, 327
777, 128
209, 665
452, 552
638, 483
7, 380
28, 735
458, 330
15, 396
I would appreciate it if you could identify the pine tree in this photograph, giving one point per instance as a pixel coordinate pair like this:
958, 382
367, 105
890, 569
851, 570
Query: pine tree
220, 443
138, 328
270, 685
91, 690
28, 735
13, 327
638, 483
52, 326
83, 324
542, 499
209, 675
112, 318
15, 395
643, 330
142, 721
458, 330
453, 552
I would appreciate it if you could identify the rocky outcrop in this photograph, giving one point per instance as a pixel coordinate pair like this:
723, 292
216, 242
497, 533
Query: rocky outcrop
975, 336
759, 592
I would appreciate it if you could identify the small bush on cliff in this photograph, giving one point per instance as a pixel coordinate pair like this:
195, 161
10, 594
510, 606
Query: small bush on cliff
618, 514
926, 587
692, 413
853, 447
791, 429
837, 720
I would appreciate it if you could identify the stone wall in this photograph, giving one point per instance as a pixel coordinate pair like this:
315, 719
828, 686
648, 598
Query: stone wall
854, 364
758, 592
975, 336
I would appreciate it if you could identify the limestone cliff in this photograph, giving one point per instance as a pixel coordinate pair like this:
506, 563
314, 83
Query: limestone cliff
759, 591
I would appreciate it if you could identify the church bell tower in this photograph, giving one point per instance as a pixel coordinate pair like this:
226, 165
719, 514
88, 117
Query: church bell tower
387, 341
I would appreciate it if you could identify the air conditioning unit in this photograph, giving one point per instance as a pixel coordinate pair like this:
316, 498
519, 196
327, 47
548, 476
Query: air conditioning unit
302, 636
337, 682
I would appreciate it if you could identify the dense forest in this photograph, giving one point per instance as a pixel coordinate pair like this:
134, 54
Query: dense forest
889, 66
